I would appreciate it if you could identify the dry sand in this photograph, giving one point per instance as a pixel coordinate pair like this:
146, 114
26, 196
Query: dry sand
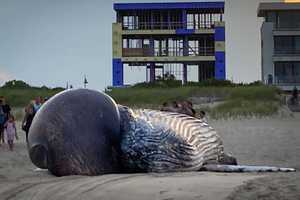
267, 141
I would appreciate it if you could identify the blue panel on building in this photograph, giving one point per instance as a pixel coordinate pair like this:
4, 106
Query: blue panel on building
183, 31
161, 6
117, 72
220, 72
220, 34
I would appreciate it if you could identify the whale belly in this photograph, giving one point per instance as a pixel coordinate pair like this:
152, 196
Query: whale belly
156, 141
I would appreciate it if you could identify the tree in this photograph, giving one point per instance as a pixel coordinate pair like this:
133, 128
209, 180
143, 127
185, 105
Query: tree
16, 84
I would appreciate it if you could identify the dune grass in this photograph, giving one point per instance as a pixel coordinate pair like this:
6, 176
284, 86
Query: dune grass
243, 107
249, 101
157, 96
238, 101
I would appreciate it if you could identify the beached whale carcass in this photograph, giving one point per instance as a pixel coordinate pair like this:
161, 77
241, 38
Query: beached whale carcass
83, 132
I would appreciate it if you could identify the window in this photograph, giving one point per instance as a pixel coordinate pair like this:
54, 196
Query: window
287, 69
203, 46
132, 43
288, 19
130, 22
161, 47
287, 72
287, 45
203, 20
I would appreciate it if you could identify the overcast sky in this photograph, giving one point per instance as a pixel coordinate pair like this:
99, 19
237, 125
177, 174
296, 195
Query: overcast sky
50, 42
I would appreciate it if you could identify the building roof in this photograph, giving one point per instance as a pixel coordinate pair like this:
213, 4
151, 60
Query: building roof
170, 5
264, 7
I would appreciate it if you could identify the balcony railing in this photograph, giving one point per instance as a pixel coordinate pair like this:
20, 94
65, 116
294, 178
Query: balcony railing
202, 51
287, 80
167, 25
287, 52
137, 52
287, 28
172, 52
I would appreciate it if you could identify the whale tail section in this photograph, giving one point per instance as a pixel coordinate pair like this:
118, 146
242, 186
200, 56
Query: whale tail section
244, 168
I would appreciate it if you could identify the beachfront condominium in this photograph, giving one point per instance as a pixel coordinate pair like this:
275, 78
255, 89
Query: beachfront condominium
280, 43
169, 39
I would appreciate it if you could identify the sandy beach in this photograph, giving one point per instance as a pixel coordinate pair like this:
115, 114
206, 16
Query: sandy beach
267, 141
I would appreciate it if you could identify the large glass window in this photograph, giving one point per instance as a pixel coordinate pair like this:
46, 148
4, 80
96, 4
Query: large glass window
297, 69
130, 22
287, 72
175, 47
287, 69
288, 19
287, 45
132, 43
160, 47
147, 19
175, 19
203, 20
203, 46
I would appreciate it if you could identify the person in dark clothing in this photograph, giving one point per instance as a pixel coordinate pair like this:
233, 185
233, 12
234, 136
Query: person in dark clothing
26, 123
295, 96
2, 122
6, 109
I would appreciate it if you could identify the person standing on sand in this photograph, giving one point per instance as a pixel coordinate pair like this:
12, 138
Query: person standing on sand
295, 96
26, 123
37, 104
2, 122
10, 131
6, 108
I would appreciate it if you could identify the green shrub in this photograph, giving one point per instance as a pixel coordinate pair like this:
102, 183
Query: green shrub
159, 84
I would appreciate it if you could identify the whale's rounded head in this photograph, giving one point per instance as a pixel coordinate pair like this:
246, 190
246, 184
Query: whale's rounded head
76, 132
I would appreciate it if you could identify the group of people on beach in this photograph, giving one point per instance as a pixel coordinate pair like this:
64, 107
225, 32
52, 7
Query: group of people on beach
8, 130
183, 107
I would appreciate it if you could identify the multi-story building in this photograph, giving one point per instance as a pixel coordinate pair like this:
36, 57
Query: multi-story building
280, 40
168, 38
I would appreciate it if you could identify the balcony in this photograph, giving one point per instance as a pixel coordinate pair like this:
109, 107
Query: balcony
170, 52
167, 25
154, 25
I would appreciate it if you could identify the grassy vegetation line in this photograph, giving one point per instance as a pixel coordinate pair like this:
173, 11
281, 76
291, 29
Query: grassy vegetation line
21, 97
238, 101
18, 93
156, 96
